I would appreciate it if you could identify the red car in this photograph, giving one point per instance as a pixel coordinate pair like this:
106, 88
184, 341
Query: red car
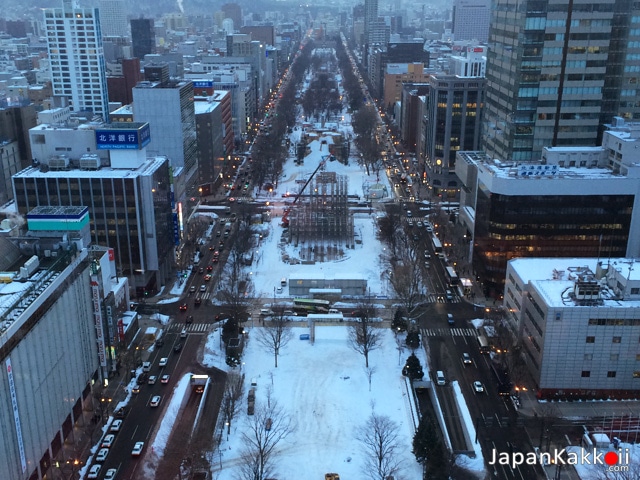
183, 307
209, 268
207, 277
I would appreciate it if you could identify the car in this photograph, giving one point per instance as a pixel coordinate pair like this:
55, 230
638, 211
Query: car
478, 387
201, 270
216, 254
219, 233
111, 474
177, 347
137, 449
215, 260
135, 389
192, 289
449, 294
419, 224
101, 456
207, 277
189, 319
450, 320
183, 307
427, 265
429, 228
196, 303
209, 268
164, 379
108, 440
163, 362
409, 214
466, 359
94, 470
203, 288
152, 380
183, 333
427, 255
121, 412
155, 401
115, 426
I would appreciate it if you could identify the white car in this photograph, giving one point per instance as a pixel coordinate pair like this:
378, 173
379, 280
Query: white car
203, 288
155, 401
108, 440
466, 359
111, 474
137, 449
116, 425
478, 387
94, 470
163, 362
152, 380
164, 379
102, 455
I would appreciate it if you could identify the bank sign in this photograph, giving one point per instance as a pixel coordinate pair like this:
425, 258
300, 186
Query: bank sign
123, 139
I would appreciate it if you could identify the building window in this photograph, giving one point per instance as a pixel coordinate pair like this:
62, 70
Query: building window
588, 356
616, 340
611, 374
614, 357
591, 339
586, 374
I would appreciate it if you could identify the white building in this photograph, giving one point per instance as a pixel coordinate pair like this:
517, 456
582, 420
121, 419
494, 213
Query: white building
113, 18
578, 321
78, 69
471, 19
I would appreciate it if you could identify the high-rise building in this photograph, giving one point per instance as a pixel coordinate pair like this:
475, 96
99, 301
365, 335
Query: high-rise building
370, 16
234, 12
453, 112
78, 70
15, 153
113, 18
168, 109
471, 19
143, 37
557, 72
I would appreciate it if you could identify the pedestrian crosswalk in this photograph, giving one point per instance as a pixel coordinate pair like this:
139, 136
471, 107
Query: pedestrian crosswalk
440, 298
454, 332
190, 328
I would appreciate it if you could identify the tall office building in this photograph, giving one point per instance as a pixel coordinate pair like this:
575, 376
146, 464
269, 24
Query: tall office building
471, 19
370, 17
143, 37
78, 70
113, 18
557, 72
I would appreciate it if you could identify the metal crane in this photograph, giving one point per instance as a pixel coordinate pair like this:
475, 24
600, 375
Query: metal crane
285, 216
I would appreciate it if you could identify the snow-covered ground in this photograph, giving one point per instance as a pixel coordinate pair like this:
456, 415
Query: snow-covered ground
324, 389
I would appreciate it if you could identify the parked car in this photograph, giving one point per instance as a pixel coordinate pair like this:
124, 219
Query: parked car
137, 449
116, 425
108, 440
101, 456
94, 470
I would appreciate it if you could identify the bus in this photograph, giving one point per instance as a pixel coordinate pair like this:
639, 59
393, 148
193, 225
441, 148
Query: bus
312, 305
452, 276
483, 343
437, 246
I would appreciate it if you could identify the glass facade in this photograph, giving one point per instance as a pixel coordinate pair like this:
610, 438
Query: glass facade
511, 226
573, 70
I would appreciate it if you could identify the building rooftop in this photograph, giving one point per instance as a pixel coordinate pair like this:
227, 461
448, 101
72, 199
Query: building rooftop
151, 165
555, 280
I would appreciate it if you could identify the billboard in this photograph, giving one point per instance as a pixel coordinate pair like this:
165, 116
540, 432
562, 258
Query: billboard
123, 138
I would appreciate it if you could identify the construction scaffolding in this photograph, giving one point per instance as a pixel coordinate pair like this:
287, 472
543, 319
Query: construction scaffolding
321, 223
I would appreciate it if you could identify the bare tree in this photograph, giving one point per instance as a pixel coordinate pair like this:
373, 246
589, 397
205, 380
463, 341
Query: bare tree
406, 276
267, 428
364, 336
237, 289
369, 371
276, 333
233, 390
380, 440
388, 226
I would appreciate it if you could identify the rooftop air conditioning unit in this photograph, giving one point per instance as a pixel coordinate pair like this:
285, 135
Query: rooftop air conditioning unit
59, 162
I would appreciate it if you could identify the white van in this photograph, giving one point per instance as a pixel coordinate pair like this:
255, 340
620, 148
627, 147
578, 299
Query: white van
334, 310
440, 380
146, 366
